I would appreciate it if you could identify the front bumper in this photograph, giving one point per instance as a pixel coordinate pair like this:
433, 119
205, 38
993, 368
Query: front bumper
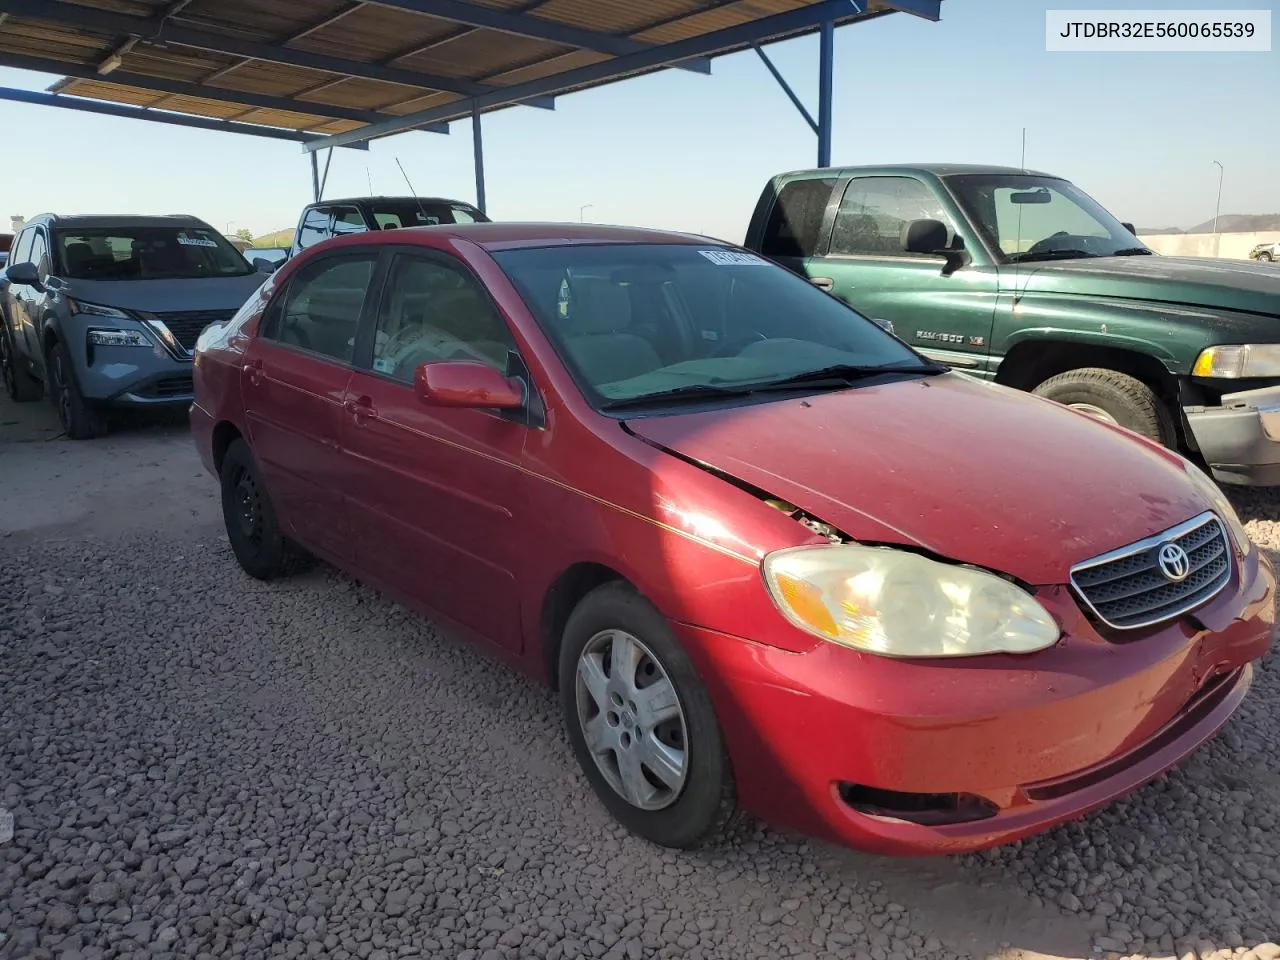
133, 376
933, 757
1240, 440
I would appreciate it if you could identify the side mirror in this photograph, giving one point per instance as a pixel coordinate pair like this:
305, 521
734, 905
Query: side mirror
929, 237
263, 265
1130, 227
24, 274
467, 383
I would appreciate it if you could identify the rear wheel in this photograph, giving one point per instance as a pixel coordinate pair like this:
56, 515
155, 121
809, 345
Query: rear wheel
19, 385
80, 419
1113, 397
259, 545
641, 723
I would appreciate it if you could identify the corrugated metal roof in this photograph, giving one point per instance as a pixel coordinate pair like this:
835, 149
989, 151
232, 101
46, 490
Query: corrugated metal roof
327, 66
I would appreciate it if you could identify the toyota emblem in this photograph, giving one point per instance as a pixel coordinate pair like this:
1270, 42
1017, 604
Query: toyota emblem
1174, 562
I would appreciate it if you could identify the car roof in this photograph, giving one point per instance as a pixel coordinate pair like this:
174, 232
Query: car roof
936, 169
107, 220
383, 199
507, 236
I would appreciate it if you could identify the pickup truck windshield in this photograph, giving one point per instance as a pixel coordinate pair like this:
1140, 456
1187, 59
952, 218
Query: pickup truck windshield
146, 253
680, 323
406, 213
1031, 218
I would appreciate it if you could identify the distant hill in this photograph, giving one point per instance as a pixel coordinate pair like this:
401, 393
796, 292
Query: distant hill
1228, 223
280, 238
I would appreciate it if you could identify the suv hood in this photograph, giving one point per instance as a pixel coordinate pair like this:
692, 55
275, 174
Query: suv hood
975, 472
167, 296
1191, 281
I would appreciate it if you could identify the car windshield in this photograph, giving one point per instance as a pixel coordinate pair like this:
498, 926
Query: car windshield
677, 322
1030, 218
390, 214
146, 253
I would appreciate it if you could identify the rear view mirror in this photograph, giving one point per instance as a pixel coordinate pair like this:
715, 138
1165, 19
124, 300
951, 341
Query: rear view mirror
467, 383
24, 274
1041, 195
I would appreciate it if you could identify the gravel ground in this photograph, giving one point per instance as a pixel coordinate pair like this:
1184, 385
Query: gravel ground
200, 765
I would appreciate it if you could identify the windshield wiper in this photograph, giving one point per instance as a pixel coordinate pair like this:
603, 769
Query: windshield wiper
1050, 255
696, 391
842, 374
1133, 252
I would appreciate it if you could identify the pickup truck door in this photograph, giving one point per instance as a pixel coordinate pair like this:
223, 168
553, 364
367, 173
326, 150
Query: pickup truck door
944, 314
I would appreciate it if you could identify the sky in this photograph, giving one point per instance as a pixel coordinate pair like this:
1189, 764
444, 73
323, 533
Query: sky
1138, 131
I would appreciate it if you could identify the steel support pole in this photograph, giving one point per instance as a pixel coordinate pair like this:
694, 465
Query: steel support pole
826, 70
315, 176
478, 140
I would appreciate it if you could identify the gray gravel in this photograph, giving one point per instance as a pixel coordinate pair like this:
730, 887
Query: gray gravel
199, 765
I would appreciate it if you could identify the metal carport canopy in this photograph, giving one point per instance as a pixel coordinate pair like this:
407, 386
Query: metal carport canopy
339, 73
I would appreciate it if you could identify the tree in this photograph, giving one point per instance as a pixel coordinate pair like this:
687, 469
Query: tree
244, 234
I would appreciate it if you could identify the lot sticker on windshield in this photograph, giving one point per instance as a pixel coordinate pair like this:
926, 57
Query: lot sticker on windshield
732, 258
194, 242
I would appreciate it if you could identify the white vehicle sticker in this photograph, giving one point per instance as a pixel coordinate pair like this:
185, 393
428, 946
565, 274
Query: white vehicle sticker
732, 258
196, 242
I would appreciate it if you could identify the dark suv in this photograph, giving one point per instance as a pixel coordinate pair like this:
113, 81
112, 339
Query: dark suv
103, 311
332, 218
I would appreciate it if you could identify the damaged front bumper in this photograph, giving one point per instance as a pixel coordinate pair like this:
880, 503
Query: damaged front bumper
1240, 439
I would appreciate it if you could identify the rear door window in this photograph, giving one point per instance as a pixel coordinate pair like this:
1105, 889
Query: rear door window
795, 222
315, 227
319, 311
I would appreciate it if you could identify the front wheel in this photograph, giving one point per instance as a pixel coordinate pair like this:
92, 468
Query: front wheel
259, 545
79, 418
641, 723
1264, 257
1113, 397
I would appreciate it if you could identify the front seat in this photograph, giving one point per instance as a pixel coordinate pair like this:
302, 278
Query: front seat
596, 337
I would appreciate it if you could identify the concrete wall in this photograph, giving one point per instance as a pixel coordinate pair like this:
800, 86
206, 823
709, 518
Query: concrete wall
1234, 246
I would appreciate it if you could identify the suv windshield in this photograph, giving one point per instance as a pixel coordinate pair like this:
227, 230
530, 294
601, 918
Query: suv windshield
1041, 218
389, 214
146, 253
676, 323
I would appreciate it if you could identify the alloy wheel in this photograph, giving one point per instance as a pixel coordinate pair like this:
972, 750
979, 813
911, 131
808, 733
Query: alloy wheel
632, 720
62, 390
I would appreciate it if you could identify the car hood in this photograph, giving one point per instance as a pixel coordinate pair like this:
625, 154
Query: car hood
168, 296
1192, 281
974, 472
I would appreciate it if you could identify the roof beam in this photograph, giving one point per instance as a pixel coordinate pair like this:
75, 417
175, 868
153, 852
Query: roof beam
116, 24
925, 9
536, 28
779, 25
219, 94
141, 113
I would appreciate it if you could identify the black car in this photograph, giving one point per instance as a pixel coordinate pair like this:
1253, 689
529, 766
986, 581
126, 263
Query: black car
332, 218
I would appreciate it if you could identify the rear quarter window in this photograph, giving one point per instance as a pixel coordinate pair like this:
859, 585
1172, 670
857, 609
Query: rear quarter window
795, 222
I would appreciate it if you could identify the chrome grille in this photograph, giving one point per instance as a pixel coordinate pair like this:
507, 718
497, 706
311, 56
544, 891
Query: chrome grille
1127, 589
187, 325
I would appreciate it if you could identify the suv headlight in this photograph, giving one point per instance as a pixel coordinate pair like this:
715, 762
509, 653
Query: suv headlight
899, 604
1238, 360
1221, 505
95, 310
118, 338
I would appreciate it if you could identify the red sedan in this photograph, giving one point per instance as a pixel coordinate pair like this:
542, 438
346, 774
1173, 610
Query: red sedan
770, 556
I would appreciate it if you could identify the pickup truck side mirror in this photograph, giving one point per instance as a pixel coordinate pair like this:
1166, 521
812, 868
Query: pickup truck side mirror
929, 237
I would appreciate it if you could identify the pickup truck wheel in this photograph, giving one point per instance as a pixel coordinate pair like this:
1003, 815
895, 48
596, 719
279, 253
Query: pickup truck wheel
1115, 398
259, 545
79, 418
20, 386
1264, 257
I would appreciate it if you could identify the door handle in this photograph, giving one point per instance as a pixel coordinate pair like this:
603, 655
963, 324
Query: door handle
822, 283
361, 408
253, 370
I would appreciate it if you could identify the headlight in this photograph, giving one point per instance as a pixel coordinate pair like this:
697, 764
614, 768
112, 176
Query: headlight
118, 338
96, 310
1213, 493
1237, 360
899, 604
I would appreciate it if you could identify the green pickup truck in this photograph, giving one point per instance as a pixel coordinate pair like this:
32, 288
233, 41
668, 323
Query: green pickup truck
1021, 278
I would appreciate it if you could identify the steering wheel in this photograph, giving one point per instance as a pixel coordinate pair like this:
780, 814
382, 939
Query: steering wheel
735, 345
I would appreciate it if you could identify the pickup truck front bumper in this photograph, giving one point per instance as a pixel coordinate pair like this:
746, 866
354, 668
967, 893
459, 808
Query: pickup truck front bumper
1240, 440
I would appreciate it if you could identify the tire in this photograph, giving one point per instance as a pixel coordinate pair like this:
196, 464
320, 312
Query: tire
698, 808
1123, 399
19, 385
1264, 257
79, 418
261, 549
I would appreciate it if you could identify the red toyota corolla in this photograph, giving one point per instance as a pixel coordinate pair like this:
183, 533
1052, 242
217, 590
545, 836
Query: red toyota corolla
769, 555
